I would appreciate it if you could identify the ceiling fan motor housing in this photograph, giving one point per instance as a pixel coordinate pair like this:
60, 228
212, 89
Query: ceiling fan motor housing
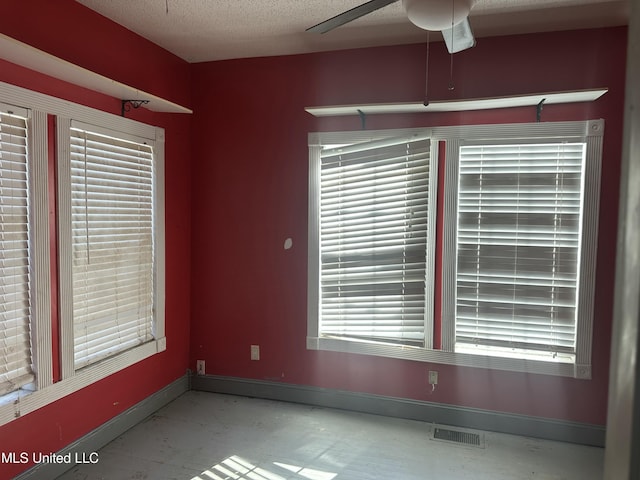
437, 15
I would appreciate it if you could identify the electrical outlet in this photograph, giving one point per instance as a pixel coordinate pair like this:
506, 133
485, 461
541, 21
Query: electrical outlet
433, 377
255, 352
200, 367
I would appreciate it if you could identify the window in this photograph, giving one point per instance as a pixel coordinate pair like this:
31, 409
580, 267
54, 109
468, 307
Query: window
112, 245
24, 364
108, 186
375, 227
519, 218
110, 226
15, 296
518, 247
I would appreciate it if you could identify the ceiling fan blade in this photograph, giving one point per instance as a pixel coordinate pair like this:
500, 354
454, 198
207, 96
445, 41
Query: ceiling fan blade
349, 15
459, 37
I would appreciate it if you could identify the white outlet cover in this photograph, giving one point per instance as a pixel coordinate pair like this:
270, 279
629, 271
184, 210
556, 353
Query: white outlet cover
255, 352
200, 368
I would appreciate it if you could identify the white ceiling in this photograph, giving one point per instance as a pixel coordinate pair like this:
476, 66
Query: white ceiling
205, 30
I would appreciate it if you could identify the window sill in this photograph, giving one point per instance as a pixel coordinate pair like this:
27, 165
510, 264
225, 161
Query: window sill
18, 404
419, 354
550, 357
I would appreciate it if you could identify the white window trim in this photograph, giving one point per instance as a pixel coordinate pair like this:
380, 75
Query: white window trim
155, 138
590, 131
41, 352
315, 341
41, 263
22, 402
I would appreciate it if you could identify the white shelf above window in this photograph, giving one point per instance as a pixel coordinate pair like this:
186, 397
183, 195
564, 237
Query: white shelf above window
27, 56
460, 105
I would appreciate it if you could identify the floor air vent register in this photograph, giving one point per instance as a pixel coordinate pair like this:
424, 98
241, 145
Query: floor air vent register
445, 434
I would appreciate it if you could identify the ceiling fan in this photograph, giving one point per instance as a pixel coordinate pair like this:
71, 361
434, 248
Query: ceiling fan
451, 17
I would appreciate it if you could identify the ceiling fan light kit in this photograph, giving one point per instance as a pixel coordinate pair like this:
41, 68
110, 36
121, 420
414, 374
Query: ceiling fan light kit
437, 15
459, 37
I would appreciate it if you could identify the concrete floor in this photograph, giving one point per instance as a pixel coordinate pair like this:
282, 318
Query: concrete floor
206, 436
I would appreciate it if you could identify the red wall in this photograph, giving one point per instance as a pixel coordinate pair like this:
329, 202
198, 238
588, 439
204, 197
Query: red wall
111, 50
236, 187
250, 193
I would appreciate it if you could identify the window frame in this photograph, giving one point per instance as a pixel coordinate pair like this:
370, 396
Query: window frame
45, 391
321, 140
39, 261
591, 132
155, 138
316, 341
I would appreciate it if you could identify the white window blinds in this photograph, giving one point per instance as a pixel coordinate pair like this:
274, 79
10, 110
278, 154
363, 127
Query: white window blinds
518, 245
373, 239
15, 302
112, 245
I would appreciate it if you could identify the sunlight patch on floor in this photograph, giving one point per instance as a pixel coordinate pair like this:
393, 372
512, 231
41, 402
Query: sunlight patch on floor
236, 468
307, 472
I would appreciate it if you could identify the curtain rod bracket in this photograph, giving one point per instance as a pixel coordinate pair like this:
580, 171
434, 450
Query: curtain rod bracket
539, 110
363, 119
127, 105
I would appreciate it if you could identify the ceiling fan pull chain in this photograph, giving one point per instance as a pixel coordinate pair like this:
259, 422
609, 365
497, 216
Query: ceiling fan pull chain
451, 85
453, 9
426, 76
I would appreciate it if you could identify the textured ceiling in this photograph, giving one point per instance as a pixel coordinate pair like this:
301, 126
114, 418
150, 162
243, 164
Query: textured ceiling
204, 30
